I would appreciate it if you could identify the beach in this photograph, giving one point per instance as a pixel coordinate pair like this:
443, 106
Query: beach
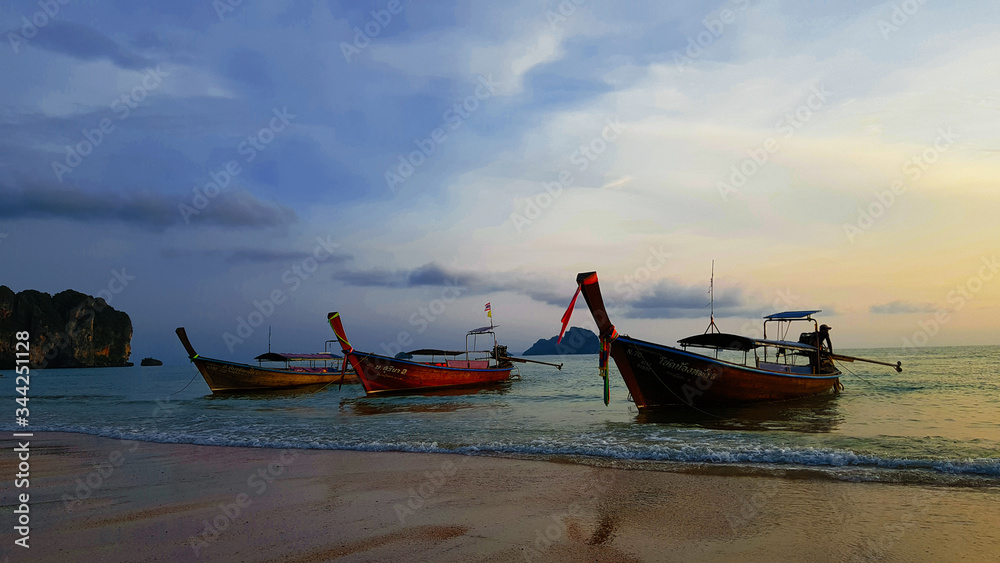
94, 498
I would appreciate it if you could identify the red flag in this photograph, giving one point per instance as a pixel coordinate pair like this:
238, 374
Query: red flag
568, 313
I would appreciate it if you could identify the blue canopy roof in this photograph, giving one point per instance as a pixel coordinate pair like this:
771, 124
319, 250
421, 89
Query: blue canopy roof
792, 315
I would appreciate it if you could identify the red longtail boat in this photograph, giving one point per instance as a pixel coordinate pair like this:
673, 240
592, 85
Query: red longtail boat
659, 376
384, 375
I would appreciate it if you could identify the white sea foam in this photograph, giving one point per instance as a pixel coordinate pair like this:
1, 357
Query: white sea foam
607, 448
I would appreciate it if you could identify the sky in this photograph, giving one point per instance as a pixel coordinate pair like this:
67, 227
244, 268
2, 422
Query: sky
233, 166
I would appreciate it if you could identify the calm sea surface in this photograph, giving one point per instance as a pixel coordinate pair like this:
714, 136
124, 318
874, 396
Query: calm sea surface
936, 423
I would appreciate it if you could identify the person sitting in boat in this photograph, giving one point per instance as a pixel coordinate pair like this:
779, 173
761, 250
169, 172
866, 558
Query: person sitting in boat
818, 338
824, 336
821, 338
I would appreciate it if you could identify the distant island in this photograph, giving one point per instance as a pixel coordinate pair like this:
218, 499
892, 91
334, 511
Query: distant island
150, 362
577, 340
68, 330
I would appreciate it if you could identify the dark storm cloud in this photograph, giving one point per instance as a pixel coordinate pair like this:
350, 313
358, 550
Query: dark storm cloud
666, 299
146, 209
250, 255
671, 300
428, 274
87, 44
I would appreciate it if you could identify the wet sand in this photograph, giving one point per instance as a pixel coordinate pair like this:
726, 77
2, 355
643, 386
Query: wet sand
98, 499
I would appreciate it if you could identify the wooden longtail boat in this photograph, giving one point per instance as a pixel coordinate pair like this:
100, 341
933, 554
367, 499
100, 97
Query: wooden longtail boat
659, 376
222, 376
384, 375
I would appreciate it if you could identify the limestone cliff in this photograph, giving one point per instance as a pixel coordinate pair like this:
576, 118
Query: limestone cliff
68, 330
576, 341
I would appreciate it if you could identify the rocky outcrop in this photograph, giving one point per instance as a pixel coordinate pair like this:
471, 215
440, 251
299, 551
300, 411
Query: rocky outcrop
576, 341
68, 330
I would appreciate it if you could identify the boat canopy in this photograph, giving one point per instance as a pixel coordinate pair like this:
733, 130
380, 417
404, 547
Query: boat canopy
720, 340
482, 330
434, 352
286, 357
787, 344
792, 315
723, 341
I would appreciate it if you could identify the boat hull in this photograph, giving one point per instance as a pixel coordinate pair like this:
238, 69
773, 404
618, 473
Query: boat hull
661, 377
222, 376
382, 375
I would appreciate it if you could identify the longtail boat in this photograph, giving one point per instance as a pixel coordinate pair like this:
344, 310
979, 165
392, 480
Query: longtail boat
446, 369
659, 376
223, 376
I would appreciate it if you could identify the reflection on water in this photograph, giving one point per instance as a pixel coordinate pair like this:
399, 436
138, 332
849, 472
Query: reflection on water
266, 394
424, 401
365, 407
499, 388
818, 414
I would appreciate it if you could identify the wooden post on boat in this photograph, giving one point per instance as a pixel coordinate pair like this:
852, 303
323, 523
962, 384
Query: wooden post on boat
898, 366
524, 361
182, 335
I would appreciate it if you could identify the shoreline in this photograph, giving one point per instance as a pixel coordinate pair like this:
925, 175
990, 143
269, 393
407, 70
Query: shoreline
100, 498
922, 474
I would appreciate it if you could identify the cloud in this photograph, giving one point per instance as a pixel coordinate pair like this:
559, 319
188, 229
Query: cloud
150, 210
428, 274
87, 44
249, 255
667, 299
672, 300
902, 308
472, 283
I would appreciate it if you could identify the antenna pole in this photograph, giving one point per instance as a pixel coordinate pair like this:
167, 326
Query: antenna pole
711, 291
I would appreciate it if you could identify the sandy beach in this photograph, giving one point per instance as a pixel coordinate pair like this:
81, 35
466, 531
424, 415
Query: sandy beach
99, 499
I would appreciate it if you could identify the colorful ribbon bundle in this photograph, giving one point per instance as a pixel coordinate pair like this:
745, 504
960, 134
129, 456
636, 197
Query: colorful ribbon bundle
606, 340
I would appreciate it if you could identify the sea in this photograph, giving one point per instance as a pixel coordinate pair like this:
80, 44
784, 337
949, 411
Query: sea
936, 423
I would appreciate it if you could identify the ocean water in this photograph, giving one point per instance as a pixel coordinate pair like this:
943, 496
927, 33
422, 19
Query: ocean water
938, 422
